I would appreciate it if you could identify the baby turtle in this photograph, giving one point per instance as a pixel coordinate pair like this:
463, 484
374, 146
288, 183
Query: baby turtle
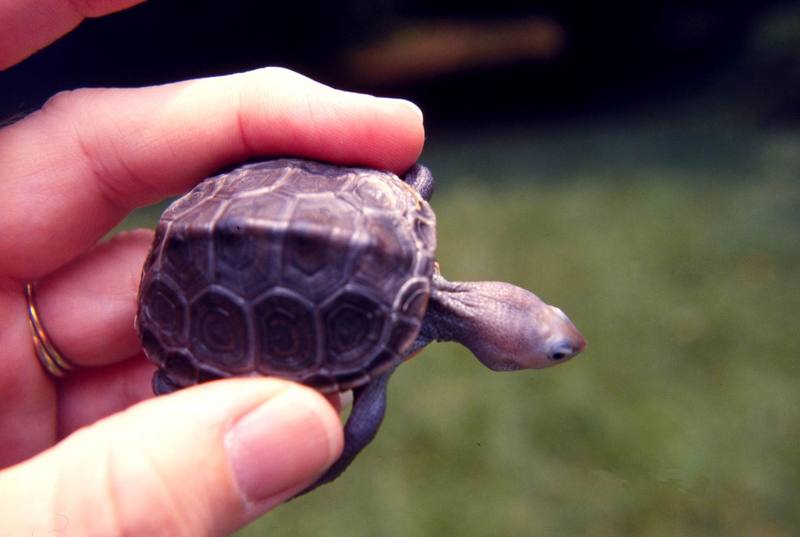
324, 275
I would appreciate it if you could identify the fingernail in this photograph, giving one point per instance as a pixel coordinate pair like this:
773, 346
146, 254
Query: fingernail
280, 445
407, 105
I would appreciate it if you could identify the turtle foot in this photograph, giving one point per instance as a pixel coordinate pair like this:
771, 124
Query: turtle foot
162, 384
369, 407
421, 180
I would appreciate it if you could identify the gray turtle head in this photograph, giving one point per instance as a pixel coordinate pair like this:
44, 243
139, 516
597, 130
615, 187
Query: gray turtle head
543, 338
506, 327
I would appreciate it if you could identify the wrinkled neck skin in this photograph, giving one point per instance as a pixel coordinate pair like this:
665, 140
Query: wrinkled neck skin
506, 327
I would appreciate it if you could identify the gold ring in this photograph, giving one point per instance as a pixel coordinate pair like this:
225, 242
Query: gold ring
51, 359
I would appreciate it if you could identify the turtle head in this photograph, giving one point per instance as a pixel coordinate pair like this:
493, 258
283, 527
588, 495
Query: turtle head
546, 338
506, 327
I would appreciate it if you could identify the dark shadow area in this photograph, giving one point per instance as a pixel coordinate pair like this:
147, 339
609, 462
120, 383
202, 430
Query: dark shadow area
464, 63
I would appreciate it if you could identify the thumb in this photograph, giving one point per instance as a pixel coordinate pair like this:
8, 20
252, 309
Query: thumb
203, 461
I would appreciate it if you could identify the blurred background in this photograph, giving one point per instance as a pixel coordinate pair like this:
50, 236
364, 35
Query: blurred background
636, 163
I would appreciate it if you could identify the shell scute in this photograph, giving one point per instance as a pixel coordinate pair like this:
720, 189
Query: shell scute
404, 331
384, 360
425, 232
256, 207
286, 335
186, 246
245, 262
412, 300
305, 180
199, 194
317, 246
387, 260
220, 331
152, 345
182, 368
256, 177
165, 309
377, 194
354, 323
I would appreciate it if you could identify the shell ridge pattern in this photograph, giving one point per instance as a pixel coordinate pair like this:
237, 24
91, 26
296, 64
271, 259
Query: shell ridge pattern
157, 254
164, 280
185, 252
252, 333
358, 242
207, 189
213, 224
283, 179
284, 316
220, 329
311, 272
322, 342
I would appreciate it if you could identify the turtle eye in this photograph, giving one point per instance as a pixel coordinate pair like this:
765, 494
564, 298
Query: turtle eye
562, 351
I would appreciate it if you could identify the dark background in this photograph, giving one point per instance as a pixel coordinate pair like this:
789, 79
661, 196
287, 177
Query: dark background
609, 57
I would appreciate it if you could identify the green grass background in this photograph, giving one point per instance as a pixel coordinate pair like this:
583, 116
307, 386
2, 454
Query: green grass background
675, 247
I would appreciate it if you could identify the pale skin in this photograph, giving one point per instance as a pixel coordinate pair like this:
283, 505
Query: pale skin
94, 454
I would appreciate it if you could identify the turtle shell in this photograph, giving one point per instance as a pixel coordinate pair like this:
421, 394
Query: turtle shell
290, 268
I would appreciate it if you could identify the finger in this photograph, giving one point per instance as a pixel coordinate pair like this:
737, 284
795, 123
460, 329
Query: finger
87, 395
29, 25
87, 309
99, 153
27, 415
87, 306
203, 461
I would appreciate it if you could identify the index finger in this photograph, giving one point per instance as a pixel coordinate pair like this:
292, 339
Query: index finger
29, 25
74, 169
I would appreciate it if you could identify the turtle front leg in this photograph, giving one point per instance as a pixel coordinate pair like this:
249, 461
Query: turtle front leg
369, 406
163, 384
420, 179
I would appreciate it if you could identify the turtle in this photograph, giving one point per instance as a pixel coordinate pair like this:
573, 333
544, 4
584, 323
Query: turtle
325, 275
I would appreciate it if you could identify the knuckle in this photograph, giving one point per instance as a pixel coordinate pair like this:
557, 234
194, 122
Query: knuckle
275, 75
69, 100
293, 105
81, 115
254, 111
276, 80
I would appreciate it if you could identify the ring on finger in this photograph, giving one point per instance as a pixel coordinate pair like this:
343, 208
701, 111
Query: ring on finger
51, 359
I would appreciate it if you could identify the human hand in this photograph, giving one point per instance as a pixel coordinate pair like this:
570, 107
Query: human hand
205, 460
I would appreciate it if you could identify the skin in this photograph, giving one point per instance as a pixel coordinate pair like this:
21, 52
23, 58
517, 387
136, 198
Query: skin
93, 454
506, 327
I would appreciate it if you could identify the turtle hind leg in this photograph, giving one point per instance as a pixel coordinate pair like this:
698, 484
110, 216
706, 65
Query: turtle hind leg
369, 406
163, 384
420, 179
